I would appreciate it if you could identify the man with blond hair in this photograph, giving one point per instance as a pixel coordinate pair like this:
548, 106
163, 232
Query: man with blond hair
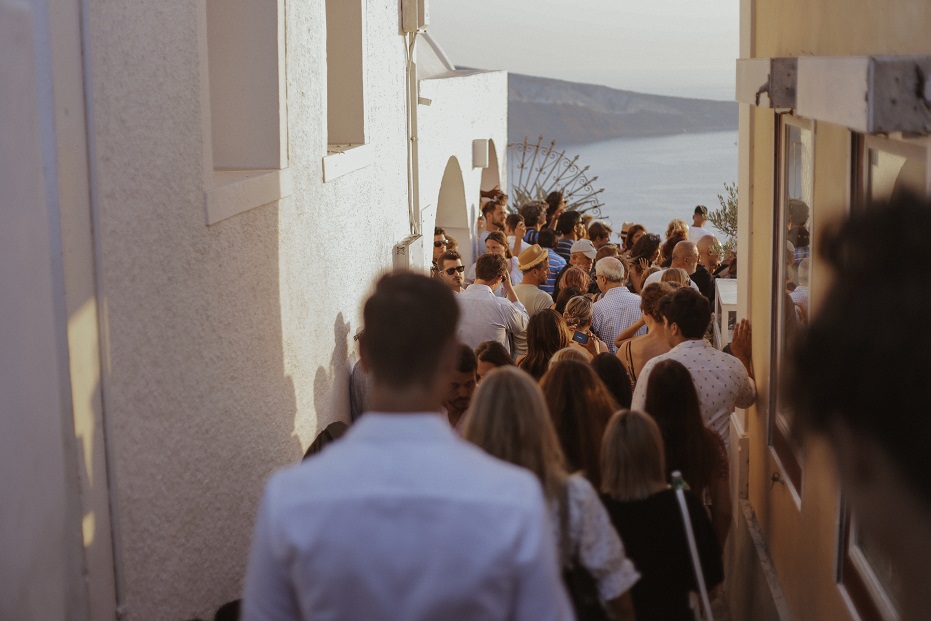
619, 308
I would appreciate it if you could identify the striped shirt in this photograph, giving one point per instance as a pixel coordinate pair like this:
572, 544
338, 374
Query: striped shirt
556, 265
615, 312
564, 247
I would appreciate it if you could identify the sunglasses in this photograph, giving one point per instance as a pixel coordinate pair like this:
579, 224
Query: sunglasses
450, 270
439, 244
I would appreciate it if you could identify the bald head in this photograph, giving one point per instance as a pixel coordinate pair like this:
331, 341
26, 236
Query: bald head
709, 252
685, 256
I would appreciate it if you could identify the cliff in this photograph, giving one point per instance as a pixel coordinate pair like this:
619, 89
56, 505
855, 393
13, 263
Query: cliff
574, 113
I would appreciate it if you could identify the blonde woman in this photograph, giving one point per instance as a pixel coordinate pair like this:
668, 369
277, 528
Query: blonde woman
569, 353
676, 275
578, 316
508, 419
645, 511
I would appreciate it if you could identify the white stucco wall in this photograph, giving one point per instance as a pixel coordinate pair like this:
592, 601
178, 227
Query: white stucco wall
226, 347
464, 107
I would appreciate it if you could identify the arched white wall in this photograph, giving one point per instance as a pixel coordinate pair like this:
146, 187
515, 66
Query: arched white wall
452, 212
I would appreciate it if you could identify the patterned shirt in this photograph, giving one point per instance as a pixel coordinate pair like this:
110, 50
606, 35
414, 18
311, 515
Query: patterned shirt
594, 540
615, 312
556, 265
720, 380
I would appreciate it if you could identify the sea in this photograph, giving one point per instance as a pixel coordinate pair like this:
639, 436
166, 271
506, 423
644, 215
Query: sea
653, 180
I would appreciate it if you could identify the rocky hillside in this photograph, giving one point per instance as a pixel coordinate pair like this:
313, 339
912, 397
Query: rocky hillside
573, 113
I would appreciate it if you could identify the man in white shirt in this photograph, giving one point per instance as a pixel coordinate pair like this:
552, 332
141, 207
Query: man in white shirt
399, 519
619, 308
722, 381
684, 256
485, 316
699, 218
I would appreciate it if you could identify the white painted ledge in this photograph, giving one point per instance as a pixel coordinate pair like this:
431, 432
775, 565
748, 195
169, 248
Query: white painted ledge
344, 159
238, 191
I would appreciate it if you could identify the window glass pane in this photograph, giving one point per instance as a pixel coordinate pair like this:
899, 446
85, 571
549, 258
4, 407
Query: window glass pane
792, 239
877, 572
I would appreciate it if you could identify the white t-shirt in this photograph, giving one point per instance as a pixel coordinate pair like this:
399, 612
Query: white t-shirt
697, 232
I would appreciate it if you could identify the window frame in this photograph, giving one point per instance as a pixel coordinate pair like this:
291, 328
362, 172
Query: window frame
864, 589
783, 448
233, 190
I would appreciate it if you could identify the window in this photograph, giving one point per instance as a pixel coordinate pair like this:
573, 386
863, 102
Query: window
791, 273
248, 150
345, 79
882, 167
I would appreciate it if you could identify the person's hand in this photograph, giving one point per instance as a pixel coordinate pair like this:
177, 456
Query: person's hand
742, 343
594, 346
520, 230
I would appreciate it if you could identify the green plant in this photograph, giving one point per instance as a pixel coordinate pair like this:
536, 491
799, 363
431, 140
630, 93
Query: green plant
725, 218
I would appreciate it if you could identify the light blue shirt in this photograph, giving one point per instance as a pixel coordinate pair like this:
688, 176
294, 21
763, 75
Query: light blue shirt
615, 312
400, 519
486, 317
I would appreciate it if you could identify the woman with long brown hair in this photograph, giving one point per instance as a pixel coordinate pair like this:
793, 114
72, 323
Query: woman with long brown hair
691, 447
508, 419
637, 351
546, 334
580, 406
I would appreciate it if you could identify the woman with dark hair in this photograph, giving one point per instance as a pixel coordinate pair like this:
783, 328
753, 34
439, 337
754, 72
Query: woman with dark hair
546, 334
580, 406
642, 256
634, 233
646, 513
555, 205
614, 375
491, 355
497, 243
691, 448
636, 351
563, 298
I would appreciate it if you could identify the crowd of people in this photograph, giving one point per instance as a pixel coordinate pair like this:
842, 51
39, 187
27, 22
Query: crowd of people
512, 459
551, 344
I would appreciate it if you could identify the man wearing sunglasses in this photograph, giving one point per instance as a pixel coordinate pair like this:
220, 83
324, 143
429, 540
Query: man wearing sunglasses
449, 269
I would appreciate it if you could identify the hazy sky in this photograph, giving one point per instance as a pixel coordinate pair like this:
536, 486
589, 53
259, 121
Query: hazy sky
670, 47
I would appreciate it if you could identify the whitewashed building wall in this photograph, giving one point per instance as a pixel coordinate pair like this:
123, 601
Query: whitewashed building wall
198, 358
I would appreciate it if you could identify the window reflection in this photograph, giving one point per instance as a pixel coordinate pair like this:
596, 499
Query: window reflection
792, 270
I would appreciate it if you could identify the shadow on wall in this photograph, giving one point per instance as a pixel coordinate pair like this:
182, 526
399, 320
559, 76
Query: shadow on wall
331, 385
